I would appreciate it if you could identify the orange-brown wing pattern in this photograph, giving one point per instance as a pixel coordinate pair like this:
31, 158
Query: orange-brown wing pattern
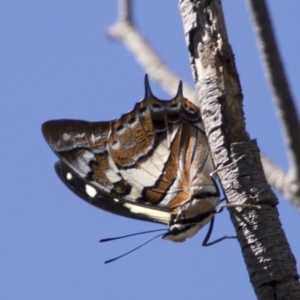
154, 157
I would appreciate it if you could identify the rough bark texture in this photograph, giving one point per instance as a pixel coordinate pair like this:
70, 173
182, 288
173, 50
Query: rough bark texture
125, 31
268, 257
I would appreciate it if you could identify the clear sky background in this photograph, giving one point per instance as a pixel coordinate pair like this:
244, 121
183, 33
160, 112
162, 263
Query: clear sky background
57, 62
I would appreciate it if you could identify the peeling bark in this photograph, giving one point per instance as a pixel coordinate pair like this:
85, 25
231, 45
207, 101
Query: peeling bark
268, 257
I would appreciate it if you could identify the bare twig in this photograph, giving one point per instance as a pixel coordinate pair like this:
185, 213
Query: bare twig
281, 181
145, 55
282, 95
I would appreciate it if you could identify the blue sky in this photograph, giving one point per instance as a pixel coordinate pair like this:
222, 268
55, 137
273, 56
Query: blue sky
57, 62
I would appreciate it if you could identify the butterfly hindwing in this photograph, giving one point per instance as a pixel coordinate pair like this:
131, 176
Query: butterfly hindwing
83, 189
153, 163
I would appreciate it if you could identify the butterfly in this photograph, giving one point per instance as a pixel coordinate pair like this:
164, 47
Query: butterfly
152, 164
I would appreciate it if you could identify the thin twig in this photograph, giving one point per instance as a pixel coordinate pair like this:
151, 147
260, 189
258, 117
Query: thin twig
281, 181
125, 31
282, 95
226, 166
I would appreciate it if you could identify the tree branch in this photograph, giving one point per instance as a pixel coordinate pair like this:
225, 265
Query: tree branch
125, 31
282, 95
267, 255
271, 265
281, 181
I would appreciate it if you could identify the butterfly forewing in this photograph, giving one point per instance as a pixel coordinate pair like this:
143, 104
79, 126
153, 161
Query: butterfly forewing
85, 190
152, 164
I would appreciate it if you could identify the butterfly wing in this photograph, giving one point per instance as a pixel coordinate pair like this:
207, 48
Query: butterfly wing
86, 191
151, 164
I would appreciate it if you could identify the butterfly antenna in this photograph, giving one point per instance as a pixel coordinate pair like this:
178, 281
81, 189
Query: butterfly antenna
113, 259
129, 235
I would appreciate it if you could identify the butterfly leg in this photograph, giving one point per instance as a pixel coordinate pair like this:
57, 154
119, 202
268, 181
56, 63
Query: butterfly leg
236, 205
226, 166
205, 242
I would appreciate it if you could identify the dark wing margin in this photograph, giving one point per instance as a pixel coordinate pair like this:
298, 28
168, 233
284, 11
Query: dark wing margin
84, 189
